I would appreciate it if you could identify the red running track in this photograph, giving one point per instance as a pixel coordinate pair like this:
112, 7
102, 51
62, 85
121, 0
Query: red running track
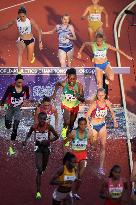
18, 175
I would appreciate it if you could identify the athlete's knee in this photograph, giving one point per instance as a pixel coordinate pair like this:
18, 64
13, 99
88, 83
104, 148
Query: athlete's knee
99, 84
8, 124
103, 147
16, 124
39, 170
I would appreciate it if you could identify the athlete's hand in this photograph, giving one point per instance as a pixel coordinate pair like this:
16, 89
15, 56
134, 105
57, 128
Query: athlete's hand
115, 124
79, 56
40, 45
130, 58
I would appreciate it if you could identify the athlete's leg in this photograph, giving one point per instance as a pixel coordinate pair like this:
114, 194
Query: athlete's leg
70, 57
30, 52
62, 58
99, 30
91, 34
99, 77
54, 202
38, 161
103, 136
73, 117
17, 118
45, 159
20, 46
81, 169
109, 73
66, 117
9, 117
94, 138
68, 201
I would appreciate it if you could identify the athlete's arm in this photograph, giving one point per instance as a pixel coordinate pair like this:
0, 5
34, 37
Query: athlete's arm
106, 17
118, 50
85, 44
73, 37
91, 108
49, 32
80, 95
56, 118
133, 174
37, 111
85, 13
53, 131
6, 95
104, 194
7, 25
70, 137
35, 25
57, 86
108, 103
28, 135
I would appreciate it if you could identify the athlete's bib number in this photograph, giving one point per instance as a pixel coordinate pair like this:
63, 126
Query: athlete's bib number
95, 17
116, 192
16, 101
100, 113
71, 178
100, 54
63, 39
41, 136
70, 97
79, 145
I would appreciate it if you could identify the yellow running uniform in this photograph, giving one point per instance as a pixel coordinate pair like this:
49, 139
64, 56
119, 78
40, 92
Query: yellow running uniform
94, 17
66, 176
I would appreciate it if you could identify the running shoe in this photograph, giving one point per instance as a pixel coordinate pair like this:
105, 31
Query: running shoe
38, 195
63, 135
101, 172
33, 59
76, 197
11, 151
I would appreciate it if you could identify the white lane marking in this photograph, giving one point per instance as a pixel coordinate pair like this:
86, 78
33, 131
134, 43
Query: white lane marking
9, 7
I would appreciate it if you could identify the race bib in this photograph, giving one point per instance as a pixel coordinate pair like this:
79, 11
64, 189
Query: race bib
70, 97
80, 145
94, 17
101, 113
100, 54
41, 136
71, 178
63, 39
16, 101
116, 192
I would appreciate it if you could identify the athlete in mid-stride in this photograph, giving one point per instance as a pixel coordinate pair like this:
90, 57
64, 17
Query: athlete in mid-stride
100, 60
114, 189
80, 139
64, 179
26, 38
66, 36
43, 139
96, 122
93, 14
14, 96
46, 107
72, 95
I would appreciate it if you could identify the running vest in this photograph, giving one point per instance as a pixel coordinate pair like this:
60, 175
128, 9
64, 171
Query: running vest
115, 191
14, 98
62, 34
99, 53
80, 144
66, 176
24, 27
95, 13
100, 112
68, 98
41, 134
